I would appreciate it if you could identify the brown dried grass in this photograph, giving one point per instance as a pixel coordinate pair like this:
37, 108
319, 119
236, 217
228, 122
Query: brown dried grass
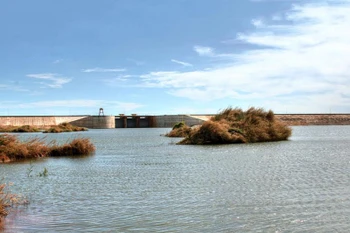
64, 127
233, 125
179, 130
79, 146
12, 149
18, 129
8, 201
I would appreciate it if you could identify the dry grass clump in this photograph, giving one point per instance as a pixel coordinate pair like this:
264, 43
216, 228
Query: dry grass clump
12, 149
8, 200
233, 125
81, 146
179, 130
4, 203
64, 127
18, 129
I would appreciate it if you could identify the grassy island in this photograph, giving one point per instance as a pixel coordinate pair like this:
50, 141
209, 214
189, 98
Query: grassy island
64, 127
233, 125
12, 149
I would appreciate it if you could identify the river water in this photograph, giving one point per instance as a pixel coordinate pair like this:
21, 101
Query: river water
139, 181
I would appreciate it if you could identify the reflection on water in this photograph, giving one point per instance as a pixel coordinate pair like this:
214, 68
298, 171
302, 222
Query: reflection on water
139, 181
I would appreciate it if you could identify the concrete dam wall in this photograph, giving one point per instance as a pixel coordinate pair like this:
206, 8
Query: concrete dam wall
165, 121
168, 121
92, 122
314, 119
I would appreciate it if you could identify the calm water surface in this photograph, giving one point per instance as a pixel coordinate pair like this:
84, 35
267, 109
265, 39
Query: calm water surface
139, 181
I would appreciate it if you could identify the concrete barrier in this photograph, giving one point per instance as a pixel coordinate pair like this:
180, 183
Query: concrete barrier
96, 122
92, 122
314, 119
165, 121
168, 121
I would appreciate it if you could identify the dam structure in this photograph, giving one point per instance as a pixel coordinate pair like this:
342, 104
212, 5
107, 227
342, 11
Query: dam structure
103, 122
159, 121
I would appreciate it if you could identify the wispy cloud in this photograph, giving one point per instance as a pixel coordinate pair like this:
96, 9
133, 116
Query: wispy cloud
90, 106
137, 62
258, 22
55, 80
102, 70
13, 87
182, 63
303, 64
57, 61
203, 50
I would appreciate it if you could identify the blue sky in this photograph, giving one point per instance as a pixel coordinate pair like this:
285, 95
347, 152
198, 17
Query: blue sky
173, 56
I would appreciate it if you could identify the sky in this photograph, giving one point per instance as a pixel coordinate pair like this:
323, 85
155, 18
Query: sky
157, 57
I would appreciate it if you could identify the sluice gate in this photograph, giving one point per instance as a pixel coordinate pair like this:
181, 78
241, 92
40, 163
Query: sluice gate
134, 121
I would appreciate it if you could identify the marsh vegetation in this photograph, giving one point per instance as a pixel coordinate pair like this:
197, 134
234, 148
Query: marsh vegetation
13, 149
233, 125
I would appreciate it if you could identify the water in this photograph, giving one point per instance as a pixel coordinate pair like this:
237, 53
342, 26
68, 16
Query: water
139, 181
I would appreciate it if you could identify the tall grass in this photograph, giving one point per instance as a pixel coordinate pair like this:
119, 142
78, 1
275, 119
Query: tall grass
233, 125
64, 127
12, 149
81, 146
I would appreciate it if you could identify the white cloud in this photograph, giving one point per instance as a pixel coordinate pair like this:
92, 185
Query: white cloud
57, 61
182, 63
55, 80
258, 23
13, 87
303, 64
102, 70
83, 106
203, 50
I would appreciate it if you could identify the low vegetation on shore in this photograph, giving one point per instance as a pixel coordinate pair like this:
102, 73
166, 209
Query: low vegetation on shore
64, 127
233, 125
18, 129
12, 149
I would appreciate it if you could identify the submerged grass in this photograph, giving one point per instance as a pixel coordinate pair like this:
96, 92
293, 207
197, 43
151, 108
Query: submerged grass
233, 125
12, 149
8, 201
64, 127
